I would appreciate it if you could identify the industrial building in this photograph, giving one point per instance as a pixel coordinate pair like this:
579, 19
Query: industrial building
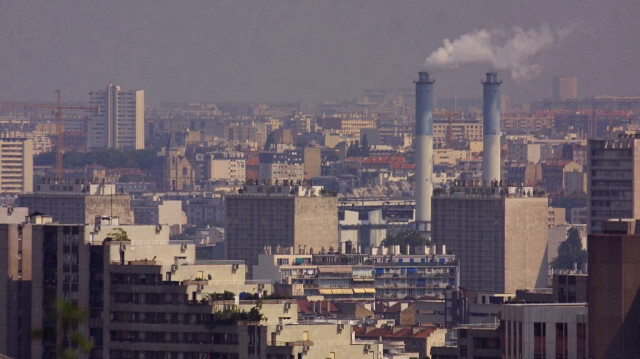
284, 215
119, 121
367, 222
225, 166
280, 166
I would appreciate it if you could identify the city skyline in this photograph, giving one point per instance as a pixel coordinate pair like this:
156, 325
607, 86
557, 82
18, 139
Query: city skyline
309, 52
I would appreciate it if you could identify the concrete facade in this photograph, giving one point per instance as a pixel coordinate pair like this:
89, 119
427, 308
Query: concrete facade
16, 165
613, 180
77, 203
119, 121
286, 216
121, 282
612, 289
531, 331
500, 239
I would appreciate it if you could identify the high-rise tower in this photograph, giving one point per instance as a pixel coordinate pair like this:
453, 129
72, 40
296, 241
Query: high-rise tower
491, 122
424, 150
119, 121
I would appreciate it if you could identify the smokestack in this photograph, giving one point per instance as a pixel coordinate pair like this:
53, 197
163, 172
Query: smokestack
424, 150
491, 123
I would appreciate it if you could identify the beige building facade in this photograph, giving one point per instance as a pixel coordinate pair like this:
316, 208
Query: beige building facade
279, 215
119, 121
499, 236
16, 165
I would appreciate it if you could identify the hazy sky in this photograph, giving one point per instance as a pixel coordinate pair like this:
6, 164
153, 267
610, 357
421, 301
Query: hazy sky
310, 51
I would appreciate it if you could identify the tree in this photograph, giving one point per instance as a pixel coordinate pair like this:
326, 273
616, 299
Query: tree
570, 251
410, 237
354, 149
118, 234
67, 316
364, 146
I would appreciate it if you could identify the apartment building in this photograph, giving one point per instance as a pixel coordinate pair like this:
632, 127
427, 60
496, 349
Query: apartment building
225, 166
16, 165
119, 121
498, 234
130, 277
612, 180
280, 166
385, 277
532, 331
77, 201
284, 215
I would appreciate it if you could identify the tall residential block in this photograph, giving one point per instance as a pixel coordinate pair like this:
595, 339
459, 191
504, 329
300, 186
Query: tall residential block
613, 180
547, 330
76, 202
498, 234
565, 88
612, 290
16, 165
279, 215
119, 120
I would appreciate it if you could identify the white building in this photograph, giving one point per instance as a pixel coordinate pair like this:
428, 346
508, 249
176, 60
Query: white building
226, 166
119, 119
544, 330
16, 165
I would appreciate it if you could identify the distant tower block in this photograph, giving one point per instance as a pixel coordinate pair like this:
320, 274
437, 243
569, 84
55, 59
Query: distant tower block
565, 88
491, 123
424, 151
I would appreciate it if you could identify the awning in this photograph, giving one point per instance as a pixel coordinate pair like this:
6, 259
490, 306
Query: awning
359, 290
369, 290
325, 291
341, 291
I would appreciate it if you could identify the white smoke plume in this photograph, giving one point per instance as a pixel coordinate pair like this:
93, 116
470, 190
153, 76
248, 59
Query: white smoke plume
497, 48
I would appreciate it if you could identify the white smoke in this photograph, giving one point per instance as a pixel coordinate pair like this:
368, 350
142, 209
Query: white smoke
497, 48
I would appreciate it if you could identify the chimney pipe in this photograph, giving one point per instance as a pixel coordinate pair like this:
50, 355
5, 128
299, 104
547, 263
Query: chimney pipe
424, 150
491, 162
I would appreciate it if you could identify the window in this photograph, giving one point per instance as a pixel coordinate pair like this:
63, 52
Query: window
562, 347
539, 341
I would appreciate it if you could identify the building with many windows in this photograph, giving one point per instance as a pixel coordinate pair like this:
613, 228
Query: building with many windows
77, 201
137, 286
498, 234
284, 215
16, 165
612, 180
359, 276
119, 120
544, 331
612, 290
